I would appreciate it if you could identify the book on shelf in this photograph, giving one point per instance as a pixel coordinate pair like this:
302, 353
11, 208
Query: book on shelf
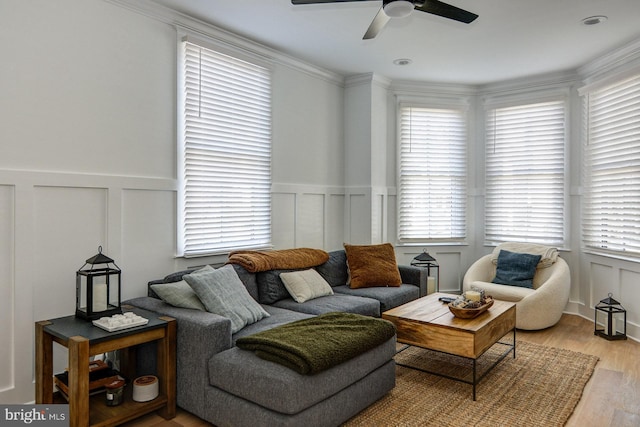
100, 374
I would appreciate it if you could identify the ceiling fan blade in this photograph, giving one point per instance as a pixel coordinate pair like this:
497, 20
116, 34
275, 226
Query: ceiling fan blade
447, 11
322, 1
377, 25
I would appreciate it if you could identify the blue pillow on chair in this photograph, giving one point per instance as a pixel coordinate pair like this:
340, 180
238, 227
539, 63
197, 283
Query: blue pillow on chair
516, 269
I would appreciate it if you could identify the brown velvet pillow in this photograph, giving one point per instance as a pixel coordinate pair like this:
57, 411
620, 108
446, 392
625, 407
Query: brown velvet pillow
372, 265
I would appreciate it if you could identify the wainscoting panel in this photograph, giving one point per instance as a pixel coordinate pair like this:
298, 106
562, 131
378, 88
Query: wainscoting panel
603, 279
618, 277
448, 258
70, 225
7, 302
628, 296
359, 211
310, 221
335, 222
283, 220
148, 238
392, 218
378, 219
451, 270
50, 224
308, 216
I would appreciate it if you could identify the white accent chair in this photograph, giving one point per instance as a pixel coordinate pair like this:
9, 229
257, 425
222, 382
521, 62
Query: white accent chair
537, 308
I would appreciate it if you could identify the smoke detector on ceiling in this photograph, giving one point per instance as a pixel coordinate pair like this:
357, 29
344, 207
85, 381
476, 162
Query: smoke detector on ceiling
594, 20
402, 61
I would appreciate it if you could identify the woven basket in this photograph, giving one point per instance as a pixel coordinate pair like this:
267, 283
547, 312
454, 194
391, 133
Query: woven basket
469, 313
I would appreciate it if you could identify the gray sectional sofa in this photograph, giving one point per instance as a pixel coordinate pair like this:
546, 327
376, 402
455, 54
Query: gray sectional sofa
228, 386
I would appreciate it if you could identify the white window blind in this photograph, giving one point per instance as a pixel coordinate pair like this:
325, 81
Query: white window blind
611, 214
432, 174
226, 153
525, 174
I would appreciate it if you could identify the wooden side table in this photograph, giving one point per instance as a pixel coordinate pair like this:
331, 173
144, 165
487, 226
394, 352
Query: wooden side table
83, 339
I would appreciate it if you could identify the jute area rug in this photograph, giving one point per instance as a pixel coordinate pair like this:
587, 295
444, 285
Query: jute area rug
540, 387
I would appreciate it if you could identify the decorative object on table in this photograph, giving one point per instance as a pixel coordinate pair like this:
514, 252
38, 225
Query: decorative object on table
115, 392
471, 304
98, 288
424, 260
145, 388
610, 320
118, 322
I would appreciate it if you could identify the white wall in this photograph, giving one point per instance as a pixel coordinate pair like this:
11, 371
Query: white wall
308, 161
88, 158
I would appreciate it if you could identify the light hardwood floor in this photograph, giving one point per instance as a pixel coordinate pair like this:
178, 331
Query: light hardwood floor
611, 398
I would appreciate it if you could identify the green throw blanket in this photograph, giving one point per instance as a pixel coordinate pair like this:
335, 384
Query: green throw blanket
312, 345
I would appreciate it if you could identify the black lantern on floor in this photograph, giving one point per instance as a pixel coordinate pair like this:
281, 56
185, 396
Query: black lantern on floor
424, 260
98, 288
610, 320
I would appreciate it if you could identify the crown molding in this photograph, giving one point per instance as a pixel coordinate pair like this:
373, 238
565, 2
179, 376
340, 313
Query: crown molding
614, 62
367, 78
415, 87
176, 19
560, 79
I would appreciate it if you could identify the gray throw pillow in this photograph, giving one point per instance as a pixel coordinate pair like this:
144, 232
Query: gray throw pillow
516, 269
178, 294
222, 292
270, 286
335, 270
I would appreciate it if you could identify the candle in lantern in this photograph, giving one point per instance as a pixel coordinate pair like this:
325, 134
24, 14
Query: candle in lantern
431, 285
99, 297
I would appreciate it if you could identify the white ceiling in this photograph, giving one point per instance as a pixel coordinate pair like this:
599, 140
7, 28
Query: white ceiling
511, 38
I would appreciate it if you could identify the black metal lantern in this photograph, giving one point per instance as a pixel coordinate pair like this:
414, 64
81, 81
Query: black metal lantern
98, 288
610, 320
424, 260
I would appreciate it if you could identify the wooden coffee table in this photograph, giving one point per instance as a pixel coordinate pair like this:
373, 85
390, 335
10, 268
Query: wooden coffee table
428, 323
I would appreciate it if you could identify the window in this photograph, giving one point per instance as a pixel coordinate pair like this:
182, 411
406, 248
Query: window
611, 214
225, 155
432, 174
525, 173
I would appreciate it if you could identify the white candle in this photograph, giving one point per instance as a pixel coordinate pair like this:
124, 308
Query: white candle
472, 295
99, 297
431, 285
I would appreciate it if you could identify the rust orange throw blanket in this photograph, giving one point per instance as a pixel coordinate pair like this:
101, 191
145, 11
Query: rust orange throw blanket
284, 259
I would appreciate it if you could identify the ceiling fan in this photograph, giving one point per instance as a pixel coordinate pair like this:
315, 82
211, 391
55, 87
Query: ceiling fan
401, 8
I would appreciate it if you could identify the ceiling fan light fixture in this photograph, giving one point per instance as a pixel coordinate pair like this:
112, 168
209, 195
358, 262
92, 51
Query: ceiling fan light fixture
398, 8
